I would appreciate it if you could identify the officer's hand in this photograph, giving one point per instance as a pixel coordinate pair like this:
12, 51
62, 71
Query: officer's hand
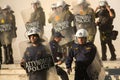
59, 62
69, 70
22, 63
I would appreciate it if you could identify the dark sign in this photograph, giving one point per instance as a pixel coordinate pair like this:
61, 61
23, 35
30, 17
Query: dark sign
38, 65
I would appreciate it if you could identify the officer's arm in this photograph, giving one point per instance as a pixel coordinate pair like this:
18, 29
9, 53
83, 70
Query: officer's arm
24, 59
69, 59
110, 12
113, 12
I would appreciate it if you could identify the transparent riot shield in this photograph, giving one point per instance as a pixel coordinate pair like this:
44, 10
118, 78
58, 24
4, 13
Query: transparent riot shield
96, 70
45, 63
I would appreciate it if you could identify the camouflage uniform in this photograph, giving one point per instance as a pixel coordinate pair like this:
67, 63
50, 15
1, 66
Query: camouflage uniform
86, 20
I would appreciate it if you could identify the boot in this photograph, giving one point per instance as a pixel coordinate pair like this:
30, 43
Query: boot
5, 55
9, 52
0, 55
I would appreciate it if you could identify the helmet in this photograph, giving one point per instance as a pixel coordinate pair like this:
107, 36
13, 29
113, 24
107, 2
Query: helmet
80, 1
53, 5
102, 2
81, 33
32, 31
35, 1
60, 3
6, 7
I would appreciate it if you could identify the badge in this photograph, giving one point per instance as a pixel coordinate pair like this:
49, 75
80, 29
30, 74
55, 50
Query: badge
88, 48
57, 18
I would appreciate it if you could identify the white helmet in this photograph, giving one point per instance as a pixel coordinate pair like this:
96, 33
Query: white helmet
102, 2
35, 1
80, 1
32, 31
60, 3
53, 5
81, 33
6, 7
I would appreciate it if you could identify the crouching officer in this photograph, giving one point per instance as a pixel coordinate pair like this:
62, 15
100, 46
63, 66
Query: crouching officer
84, 53
58, 55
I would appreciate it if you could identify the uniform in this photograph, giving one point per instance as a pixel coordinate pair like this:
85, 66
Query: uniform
105, 28
84, 55
58, 55
6, 39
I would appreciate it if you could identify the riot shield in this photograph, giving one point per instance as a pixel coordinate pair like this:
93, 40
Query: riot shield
96, 70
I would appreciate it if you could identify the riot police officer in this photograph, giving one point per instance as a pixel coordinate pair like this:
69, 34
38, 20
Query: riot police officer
106, 16
35, 52
38, 15
83, 52
61, 22
85, 18
58, 55
6, 32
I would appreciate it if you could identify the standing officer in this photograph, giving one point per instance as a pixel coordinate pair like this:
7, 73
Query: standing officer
35, 52
83, 52
38, 15
6, 33
85, 18
106, 16
58, 55
62, 23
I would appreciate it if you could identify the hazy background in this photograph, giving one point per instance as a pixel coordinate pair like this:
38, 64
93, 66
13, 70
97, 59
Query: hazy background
19, 6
